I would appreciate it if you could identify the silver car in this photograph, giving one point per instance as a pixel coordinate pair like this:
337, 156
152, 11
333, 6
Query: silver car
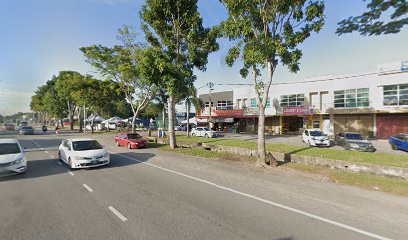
26, 130
12, 157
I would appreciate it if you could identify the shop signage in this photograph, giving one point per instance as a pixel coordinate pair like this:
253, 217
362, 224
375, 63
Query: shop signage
236, 113
298, 110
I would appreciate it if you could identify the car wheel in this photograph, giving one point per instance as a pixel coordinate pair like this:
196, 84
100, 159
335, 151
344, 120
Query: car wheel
117, 143
70, 163
193, 134
206, 135
59, 156
129, 146
394, 147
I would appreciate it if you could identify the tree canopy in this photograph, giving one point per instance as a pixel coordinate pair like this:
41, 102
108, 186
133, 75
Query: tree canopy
381, 17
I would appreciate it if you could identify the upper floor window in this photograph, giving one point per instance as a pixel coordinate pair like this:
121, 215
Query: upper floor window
351, 98
225, 105
253, 103
207, 104
395, 95
292, 100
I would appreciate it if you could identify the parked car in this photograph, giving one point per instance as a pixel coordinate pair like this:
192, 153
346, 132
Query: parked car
130, 140
399, 142
353, 141
83, 153
315, 137
203, 132
26, 130
12, 157
23, 124
9, 126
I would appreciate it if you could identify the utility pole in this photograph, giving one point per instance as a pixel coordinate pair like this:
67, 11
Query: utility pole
210, 85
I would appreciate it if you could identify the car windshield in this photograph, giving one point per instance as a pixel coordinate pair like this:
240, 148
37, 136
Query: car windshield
354, 136
403, 137
134, 136
206, 129
86, 145
9, 148
27, 128
316, 133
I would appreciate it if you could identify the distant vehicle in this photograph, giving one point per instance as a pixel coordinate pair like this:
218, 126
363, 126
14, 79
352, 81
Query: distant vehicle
315, 138
353, 141
26, 130
23, 124
12, 157
83, 153
399, 142
203, 132
66, 122
130, 140
9, 126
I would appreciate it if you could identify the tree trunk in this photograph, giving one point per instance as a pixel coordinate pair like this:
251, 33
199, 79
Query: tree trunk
133, 123
172, 135
188, 117
80, 120
261, 161
92, 123
163, 119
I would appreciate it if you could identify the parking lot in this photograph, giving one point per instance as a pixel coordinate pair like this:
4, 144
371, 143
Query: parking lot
382, 146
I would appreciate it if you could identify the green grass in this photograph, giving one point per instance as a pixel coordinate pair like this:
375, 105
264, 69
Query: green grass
368, 181
198, 152
330, 153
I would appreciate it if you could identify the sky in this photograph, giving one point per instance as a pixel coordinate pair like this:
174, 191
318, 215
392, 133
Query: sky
42, 37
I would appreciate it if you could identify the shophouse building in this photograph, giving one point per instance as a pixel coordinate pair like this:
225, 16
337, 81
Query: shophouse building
373, 103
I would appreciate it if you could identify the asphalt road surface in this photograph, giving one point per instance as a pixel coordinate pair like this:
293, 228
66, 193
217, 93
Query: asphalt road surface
149, 194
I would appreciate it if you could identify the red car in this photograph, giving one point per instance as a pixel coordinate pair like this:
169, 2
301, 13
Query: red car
131, 140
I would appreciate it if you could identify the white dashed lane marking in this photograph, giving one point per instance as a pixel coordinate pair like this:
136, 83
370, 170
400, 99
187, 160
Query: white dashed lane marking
118, 214
71, 173
87, 187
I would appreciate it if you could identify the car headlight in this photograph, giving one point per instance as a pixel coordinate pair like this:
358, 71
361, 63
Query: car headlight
79, 158
18, 161
353, 145
106, 155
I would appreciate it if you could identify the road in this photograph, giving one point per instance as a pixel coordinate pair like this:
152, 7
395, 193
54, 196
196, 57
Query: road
149, 194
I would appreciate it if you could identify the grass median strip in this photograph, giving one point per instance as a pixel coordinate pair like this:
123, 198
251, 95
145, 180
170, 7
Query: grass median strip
367, 181
336, 154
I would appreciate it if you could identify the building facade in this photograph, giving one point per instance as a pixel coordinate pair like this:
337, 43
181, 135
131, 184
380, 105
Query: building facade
374, 104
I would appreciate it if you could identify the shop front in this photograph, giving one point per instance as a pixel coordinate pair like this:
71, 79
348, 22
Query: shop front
224, 120
296, 118
391, 124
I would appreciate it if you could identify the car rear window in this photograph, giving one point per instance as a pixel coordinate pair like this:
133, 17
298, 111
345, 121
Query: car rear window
354, 136
86, 145
134, 136
9, 148
316, 133
27, 128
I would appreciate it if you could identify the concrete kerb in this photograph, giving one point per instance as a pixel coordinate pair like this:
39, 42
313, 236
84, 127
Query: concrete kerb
386, 171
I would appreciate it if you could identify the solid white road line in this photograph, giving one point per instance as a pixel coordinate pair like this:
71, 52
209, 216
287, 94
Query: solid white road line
87, 187
72, 174
46, 152
118, 214
52, 156
345, 226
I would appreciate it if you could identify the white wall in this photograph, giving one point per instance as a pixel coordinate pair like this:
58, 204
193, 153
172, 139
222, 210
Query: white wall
373, 81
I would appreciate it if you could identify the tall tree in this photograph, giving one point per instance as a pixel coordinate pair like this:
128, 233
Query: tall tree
382, 17
69, 82
121, 64
266, 33
175, 28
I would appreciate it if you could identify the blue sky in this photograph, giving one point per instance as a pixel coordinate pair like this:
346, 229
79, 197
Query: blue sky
42, 37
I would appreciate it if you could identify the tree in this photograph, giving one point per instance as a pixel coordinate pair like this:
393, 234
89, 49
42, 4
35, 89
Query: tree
180, 43
376, 20
266, 33
67, 83
121, 64
190, 99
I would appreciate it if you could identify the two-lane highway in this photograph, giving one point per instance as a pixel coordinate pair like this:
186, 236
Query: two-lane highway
149, 194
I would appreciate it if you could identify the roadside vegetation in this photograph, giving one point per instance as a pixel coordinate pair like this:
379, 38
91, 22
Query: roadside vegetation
330, 153
366, 181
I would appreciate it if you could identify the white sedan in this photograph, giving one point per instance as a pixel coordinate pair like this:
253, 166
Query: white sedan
12, 157
203, 132
315, 138
83, 153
